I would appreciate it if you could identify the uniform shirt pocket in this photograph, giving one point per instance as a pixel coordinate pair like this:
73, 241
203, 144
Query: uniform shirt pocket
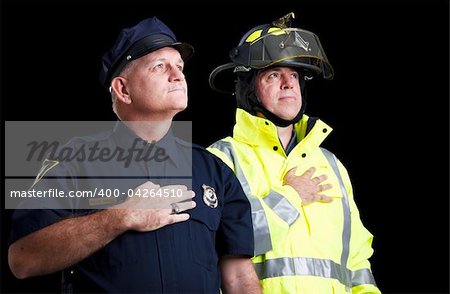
203, 226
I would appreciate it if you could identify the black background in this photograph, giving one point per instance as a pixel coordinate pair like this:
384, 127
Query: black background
388, 103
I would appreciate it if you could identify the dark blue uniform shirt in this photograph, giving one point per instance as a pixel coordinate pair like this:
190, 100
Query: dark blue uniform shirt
178, 258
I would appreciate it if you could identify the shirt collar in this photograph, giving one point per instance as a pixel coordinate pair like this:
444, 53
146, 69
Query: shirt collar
292, 143
127, 139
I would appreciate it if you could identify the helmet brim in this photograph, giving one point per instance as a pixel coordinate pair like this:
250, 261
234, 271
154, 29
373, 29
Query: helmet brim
222, 78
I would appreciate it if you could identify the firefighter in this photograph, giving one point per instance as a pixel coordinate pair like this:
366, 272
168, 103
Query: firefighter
308, 234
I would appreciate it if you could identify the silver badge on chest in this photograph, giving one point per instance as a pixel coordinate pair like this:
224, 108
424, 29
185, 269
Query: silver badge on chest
209, 196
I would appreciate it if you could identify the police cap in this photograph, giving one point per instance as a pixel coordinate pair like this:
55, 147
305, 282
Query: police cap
148, 35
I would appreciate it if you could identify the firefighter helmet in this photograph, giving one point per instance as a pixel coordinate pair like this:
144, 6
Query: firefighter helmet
277, 44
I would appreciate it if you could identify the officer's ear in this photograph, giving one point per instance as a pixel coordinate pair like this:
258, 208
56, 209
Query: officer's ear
119, 88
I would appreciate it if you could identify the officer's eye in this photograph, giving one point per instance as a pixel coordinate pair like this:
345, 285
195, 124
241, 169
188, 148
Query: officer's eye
273, 75
159, 66
295, 75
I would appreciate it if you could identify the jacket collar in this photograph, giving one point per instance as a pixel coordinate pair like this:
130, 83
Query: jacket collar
257, 131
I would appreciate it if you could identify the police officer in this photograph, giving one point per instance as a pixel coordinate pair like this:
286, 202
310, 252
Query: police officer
186, 225
308, 234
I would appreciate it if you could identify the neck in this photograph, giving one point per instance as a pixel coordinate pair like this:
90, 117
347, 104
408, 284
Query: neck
150, 130
285, 135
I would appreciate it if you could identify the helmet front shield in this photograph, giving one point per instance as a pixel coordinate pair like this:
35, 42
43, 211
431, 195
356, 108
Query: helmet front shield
284, 47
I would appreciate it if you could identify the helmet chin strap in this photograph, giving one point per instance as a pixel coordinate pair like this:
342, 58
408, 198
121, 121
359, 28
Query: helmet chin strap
278, 121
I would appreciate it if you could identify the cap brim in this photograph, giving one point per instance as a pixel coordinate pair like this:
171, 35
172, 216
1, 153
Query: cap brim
186, 50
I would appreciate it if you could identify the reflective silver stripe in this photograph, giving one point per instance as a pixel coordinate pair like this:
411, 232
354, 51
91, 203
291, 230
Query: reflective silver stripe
362, 276
305, 266
346, 209
261, 233
301, 266
281, 206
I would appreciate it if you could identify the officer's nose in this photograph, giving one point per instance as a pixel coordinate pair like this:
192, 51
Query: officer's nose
176, 74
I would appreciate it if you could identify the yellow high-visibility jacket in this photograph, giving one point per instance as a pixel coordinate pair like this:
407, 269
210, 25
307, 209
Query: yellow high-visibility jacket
317, 248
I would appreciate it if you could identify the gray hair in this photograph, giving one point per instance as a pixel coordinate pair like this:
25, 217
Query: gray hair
125, 71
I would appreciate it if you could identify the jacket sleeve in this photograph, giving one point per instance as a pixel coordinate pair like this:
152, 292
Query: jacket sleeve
360, 245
